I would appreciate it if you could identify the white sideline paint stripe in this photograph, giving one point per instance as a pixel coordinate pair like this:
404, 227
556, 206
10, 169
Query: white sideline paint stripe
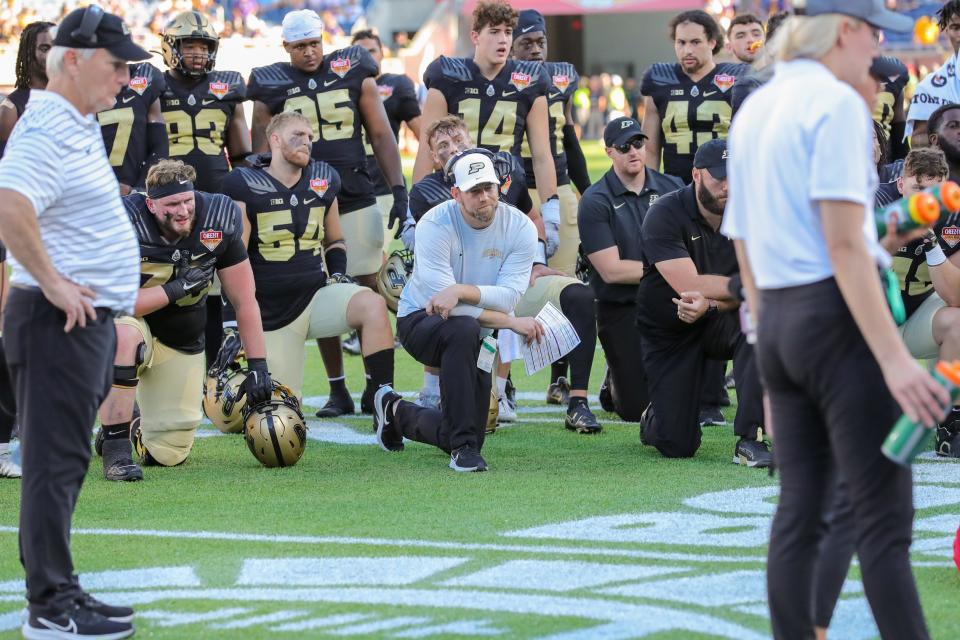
366, 628
319, 623
176, 618
243, 623
531, 396
146, 577
461, 628
406, 544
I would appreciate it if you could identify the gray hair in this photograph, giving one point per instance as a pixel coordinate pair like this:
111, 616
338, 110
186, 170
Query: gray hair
809, 37
57, 52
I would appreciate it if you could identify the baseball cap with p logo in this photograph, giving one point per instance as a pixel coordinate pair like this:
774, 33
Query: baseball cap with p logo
93, 28
473, 169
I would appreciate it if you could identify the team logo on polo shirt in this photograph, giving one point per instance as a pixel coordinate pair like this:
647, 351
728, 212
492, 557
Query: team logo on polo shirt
951, 235
938, 81
211, 239
319, 186
138, 84
724, 81
520, 80
654, 197
340, 66
561, 81
219, 89
385, 91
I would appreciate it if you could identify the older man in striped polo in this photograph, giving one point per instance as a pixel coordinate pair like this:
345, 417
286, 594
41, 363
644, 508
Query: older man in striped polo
75, 266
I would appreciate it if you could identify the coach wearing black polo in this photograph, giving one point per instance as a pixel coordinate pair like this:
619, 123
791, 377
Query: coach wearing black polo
687, 313
610, 216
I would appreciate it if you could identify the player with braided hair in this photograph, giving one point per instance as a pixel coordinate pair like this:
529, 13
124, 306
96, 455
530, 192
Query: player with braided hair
35, 42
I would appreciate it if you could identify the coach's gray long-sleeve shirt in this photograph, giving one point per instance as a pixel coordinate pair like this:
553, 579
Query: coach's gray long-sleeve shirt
497, 259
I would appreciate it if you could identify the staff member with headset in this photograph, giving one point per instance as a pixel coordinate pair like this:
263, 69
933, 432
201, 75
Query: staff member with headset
610, 216
75, 266
833, 364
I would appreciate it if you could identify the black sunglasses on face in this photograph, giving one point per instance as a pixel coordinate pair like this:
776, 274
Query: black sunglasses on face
636, 143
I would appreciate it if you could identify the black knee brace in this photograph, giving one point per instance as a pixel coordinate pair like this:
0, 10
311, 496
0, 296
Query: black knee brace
125, 377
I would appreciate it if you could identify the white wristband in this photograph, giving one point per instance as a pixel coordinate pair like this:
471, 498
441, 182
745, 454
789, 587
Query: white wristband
541, 257
936, 256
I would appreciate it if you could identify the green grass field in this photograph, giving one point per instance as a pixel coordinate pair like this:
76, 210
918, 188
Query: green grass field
567, 536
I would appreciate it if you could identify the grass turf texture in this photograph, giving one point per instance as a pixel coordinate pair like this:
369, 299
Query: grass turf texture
356, 501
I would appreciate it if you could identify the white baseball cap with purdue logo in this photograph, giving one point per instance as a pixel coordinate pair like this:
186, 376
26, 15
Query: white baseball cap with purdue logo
473, 170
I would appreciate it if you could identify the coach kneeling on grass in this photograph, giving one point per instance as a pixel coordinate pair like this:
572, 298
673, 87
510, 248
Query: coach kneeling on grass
686, 314
473, 258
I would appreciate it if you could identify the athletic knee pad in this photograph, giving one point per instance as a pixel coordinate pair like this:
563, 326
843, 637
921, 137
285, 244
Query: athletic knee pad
125, 377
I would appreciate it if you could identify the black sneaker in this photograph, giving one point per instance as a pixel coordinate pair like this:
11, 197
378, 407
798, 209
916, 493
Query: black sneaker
338, 404
352, 344
388, 437
948, 437
711, 414
724, 397
606, 394
79, 622
118, 464
558, 392
511, 392
108, 611
581, 419
752, 453
366, 401
98, 442
466, 459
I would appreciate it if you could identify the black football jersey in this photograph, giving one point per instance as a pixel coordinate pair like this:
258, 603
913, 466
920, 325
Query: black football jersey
18, 98
399, 99
124, 127
890, 94
330, 99
433, 189
690, 113
495, 110
198, 114
564, 80
286, 236
217, 234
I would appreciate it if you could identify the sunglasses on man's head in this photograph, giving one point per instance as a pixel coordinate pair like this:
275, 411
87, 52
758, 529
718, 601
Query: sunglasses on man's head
636, 143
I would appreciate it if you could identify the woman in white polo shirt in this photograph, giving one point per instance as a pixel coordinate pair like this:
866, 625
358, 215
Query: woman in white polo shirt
833, 365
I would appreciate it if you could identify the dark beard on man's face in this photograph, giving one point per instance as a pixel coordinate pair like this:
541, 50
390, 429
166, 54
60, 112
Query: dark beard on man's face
952, 153
709, 201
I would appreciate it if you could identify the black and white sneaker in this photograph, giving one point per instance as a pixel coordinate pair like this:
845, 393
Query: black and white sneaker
111, 612
388, 437
558, 392
752, 453
118, 464
606, 393
352, 344
948, 436
711, 415
338, 404
78, 623
581, 419
467, 459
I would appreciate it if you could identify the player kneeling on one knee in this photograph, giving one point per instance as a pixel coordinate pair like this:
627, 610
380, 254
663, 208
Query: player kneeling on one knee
473, 257
290, 222
185, 236
929, 272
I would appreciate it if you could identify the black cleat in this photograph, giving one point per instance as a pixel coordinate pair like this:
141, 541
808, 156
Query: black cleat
467, 459
711, 415
108, 611
606, 394
98, 442
948, 436
352, 344
559, 392
581, 419
118, 464
338, 404
388, 437
366, 401
79, 622
752, 453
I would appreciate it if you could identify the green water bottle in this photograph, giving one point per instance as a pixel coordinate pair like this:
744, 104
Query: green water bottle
908, 439
919, 210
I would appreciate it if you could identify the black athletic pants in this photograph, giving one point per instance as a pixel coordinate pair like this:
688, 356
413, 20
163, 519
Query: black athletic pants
576, 303
676, 364
830, 405
8, 407
59, 380
620, 339
453, 345
838, 543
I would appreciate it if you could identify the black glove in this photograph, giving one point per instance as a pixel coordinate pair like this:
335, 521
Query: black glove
340, 278
398, 212
189, 280
227, 355
257, 386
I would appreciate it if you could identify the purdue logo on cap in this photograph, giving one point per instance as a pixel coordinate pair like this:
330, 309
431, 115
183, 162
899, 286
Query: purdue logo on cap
626, 124
475, 167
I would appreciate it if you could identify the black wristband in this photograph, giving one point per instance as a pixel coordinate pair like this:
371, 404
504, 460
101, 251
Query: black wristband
336, 258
